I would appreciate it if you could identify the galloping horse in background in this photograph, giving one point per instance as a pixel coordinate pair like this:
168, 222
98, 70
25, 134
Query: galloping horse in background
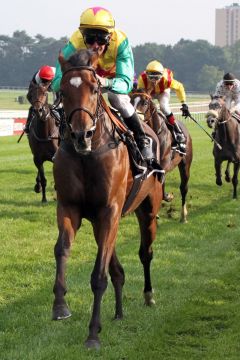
43, 135
227, 133
169, 158
93, 178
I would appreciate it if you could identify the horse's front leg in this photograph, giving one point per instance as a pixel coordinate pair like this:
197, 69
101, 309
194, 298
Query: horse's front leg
68, 222
105, 231
37, 186
227, 172
184, 170
235, 179
218, 173
43, 181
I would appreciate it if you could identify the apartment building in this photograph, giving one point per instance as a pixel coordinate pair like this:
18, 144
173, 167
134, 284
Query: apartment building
227, 25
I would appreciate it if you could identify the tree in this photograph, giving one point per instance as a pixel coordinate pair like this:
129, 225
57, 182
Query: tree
208, 77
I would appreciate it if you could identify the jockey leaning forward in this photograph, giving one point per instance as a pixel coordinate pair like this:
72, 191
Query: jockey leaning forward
158, 82
115, 69
43, 76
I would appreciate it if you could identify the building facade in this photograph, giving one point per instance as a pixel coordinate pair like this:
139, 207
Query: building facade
227, 25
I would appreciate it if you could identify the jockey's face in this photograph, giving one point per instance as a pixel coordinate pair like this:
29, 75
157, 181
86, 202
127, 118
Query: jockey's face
96, 40
229, 85
154, 78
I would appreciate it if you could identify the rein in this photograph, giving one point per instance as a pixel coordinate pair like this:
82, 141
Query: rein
101, 104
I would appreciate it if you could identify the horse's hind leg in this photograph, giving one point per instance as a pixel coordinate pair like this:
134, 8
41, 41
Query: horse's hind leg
235, 179
118, 278
227, 172
184, 170
148, 225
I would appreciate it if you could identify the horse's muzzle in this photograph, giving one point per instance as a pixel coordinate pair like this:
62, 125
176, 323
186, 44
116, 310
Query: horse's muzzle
82, 141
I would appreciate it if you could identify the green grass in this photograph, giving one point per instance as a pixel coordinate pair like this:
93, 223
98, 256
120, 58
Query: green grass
195, 272
8, 100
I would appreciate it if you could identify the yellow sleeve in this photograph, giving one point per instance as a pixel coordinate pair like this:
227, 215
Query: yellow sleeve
140, 83
179, 89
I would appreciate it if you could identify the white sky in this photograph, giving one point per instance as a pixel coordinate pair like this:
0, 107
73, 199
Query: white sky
160, 21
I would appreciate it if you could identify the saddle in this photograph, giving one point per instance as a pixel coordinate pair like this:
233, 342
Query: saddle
141, 170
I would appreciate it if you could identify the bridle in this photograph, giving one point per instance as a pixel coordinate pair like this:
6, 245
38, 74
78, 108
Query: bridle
94, 116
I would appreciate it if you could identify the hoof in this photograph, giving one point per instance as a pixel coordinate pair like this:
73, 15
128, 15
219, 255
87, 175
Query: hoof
148, 297
92, 344
227, 179
37, 188
60, 312
219, 182
118, 317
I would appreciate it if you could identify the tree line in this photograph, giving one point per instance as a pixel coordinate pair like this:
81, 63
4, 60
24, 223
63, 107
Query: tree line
197, 64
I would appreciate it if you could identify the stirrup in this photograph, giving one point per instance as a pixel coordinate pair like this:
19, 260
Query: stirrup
181, 149
180, 138
145, 147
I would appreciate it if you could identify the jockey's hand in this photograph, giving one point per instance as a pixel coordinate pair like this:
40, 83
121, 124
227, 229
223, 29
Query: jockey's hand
185, 111
104, 82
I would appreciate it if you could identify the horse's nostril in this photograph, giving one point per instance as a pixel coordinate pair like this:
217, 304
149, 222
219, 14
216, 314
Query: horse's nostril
73, 135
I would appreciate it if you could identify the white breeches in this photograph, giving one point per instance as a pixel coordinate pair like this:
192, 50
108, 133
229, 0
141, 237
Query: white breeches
164, 99
121, 102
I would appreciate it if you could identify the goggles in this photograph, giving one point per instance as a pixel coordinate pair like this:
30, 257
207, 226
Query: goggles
227, 82
154, 76
100, 38
45, 81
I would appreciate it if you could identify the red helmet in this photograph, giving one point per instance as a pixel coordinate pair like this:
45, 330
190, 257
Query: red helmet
46, 72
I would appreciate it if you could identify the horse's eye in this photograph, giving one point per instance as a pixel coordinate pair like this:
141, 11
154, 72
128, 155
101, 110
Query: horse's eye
89, 134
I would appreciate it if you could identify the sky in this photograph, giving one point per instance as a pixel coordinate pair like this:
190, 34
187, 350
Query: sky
159, 21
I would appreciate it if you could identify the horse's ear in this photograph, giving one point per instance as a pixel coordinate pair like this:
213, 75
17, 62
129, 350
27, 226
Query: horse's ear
62, 61
94, 59
211, 96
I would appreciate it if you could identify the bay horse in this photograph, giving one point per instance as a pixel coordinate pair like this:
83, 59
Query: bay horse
43, 134
93, 178
226, 126
169, 158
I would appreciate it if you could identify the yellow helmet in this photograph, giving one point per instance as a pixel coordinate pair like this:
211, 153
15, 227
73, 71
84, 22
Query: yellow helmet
97, 18
155, 66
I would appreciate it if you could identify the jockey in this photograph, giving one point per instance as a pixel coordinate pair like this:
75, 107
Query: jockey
115, 69
158, 82
42, 77
229, 88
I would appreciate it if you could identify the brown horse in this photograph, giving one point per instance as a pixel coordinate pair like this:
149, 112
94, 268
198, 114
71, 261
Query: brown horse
227, 133
93, 178
169, 158
43, 135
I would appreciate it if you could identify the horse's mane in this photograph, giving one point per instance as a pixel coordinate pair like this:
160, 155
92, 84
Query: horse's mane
81, 58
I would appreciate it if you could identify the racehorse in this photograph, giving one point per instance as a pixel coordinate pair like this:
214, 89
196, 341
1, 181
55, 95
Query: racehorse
93, 178
43, 135
169, 158
227, 134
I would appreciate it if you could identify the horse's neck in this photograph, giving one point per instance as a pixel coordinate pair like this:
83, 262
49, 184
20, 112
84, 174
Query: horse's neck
227, 127
157, 121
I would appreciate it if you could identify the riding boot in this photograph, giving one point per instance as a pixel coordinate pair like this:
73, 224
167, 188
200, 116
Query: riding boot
177, 135
29, 120
143, 142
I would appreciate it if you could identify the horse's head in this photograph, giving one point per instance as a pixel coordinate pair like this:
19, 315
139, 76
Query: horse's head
80, 90
214, 106
38, 97
140, 99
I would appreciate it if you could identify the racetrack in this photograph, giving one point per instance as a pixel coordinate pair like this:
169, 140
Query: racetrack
195, 272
